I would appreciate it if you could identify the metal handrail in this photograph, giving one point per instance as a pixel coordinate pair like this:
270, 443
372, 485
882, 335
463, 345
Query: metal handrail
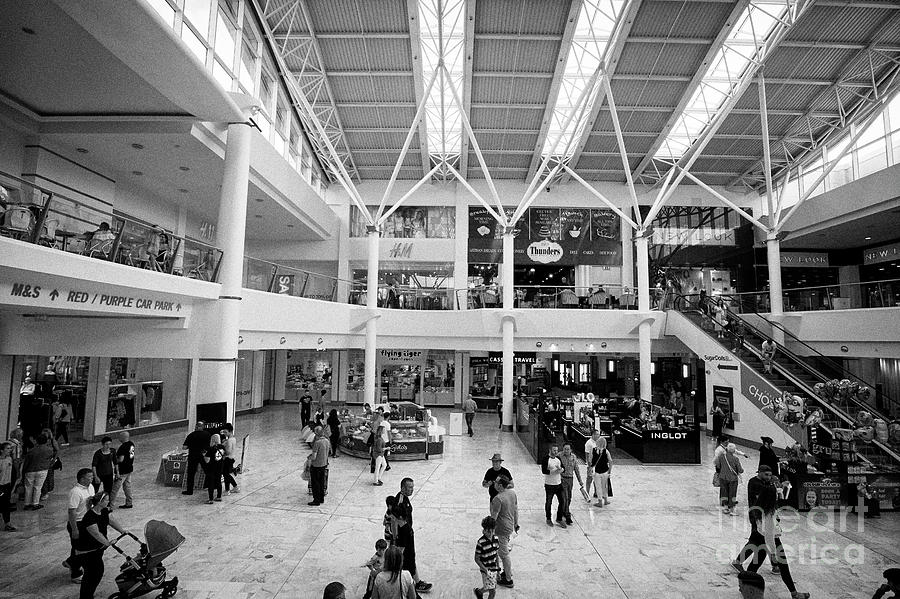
812, 371
46, 203
744, 296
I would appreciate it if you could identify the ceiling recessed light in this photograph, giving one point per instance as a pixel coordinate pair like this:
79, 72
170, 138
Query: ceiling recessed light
137, 146
28, 30
81, 150
182, 190
257, 215
868, 238
137, 173
259, 199
184, 168
290, 226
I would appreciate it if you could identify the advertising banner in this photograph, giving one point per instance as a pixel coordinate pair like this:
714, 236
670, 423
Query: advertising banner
565, 236
768, 399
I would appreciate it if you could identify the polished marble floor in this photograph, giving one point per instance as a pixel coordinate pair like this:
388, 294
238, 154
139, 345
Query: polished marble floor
662, 536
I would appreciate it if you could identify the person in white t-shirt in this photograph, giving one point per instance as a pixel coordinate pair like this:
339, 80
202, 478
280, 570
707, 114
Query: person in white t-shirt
386, 435
551, 466
77, 508
589, 447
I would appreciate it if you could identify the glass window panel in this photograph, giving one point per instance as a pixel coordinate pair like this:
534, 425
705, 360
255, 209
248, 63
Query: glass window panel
893, 111
225, 34
248, 68
194, 43
264, 126
809, 178
875, 131
165, 11
872, 158
197, 12
266, 91
222, 75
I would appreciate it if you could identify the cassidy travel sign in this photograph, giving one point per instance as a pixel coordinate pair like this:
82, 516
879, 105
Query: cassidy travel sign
88, 298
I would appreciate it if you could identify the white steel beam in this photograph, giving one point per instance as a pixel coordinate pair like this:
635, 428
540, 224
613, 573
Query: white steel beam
689, 91
558, 73
468, 66
415, 49
610, 61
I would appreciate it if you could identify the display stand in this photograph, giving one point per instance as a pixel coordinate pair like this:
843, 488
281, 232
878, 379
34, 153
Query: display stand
411, 437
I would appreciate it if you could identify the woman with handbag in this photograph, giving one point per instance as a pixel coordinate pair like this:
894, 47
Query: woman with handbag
729, 469
55, 464
602, 465
393, 582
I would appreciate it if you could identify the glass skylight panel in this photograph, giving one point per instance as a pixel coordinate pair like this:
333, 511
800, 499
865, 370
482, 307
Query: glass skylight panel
740, 49
593, 30
442, 33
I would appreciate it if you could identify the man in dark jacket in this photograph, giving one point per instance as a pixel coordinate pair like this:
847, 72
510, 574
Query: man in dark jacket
767, 455
756, 541
196, 443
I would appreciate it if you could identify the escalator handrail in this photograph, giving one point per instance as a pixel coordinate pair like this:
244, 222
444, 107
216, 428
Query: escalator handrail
847, 374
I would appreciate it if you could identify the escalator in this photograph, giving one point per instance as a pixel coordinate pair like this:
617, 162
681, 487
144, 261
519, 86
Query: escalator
793, 375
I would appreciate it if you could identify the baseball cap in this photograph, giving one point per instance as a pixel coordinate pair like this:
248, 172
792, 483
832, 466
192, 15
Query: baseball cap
764, 468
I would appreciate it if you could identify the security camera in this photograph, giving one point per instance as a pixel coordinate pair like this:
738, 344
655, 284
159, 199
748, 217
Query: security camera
547, 189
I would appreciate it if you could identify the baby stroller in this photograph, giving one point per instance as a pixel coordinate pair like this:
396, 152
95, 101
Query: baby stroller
145, 572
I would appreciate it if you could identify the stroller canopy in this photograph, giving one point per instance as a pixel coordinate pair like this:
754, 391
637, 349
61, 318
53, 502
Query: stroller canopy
162, 541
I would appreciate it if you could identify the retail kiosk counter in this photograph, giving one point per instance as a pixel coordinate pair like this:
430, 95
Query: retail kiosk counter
660, 446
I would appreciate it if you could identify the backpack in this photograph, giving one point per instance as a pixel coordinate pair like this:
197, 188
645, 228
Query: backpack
63, 413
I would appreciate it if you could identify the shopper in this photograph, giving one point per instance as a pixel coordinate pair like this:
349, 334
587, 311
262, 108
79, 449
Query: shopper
196, 443
34, 471
62, 422
891, 584
394, 581
551, 466
493, 473
771, 530
486, 549
125, 460
729, 468
505, 512
755, 486
375, 565
751, 585
767, 455
321, 449
768, 355
334, 590
92, 530
470, 407
213, 459
104, 465
718, 419
50, 481
589, 447
334, 429
305, 406
386, 434
569, 473
406, 535
601, 462
7, 480
79, 496
230, 445
378, 455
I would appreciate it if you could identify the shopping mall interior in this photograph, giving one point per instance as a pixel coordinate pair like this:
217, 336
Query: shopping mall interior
656, 222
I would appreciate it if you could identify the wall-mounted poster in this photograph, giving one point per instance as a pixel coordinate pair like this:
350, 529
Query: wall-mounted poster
151, 397
566, 236
724, 398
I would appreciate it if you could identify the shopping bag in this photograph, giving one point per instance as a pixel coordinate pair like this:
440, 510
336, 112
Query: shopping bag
609, 487
584, 494
715, 480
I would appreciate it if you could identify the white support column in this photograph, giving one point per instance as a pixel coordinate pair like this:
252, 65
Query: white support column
508, 327
773, 259
371, 395
627, 255
641, 248
217, 368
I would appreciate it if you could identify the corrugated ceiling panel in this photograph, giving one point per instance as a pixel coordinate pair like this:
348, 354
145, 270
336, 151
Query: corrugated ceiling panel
661, 59
519, 90
807, 63
367, 89
637, 120
388, 159
496, 118
741, 123
677, 19
369, 140
846, 24
339, 16
345, 54
529, 56
385, 173
521, 16
647, 93
607, 143
793, 97
512, 142
744, 146
368, 118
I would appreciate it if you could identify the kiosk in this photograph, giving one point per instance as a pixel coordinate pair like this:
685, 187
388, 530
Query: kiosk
412, 436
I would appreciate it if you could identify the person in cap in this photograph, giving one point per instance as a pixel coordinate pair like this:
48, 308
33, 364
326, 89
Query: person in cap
756, 540
767, 455
492, 473
751, 585
891, 585
196, 443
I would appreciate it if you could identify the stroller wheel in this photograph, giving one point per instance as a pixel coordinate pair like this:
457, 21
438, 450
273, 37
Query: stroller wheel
170, 589
119, 595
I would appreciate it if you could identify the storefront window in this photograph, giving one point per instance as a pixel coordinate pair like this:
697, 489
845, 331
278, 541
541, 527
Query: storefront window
42, 379
435, 222
308, 371
422, 287
145, 391
356, 376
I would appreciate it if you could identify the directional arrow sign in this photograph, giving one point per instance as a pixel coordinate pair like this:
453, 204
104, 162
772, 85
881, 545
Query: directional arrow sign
727, 366
53, 295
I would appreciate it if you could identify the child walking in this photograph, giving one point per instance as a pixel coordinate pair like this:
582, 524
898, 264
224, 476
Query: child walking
375, 565
486, 557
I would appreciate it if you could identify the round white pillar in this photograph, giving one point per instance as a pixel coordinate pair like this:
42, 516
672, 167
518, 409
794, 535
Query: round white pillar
371, 395
508, 328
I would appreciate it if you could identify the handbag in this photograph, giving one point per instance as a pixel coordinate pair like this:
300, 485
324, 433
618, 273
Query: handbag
715, 480
609, 487
57, 464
